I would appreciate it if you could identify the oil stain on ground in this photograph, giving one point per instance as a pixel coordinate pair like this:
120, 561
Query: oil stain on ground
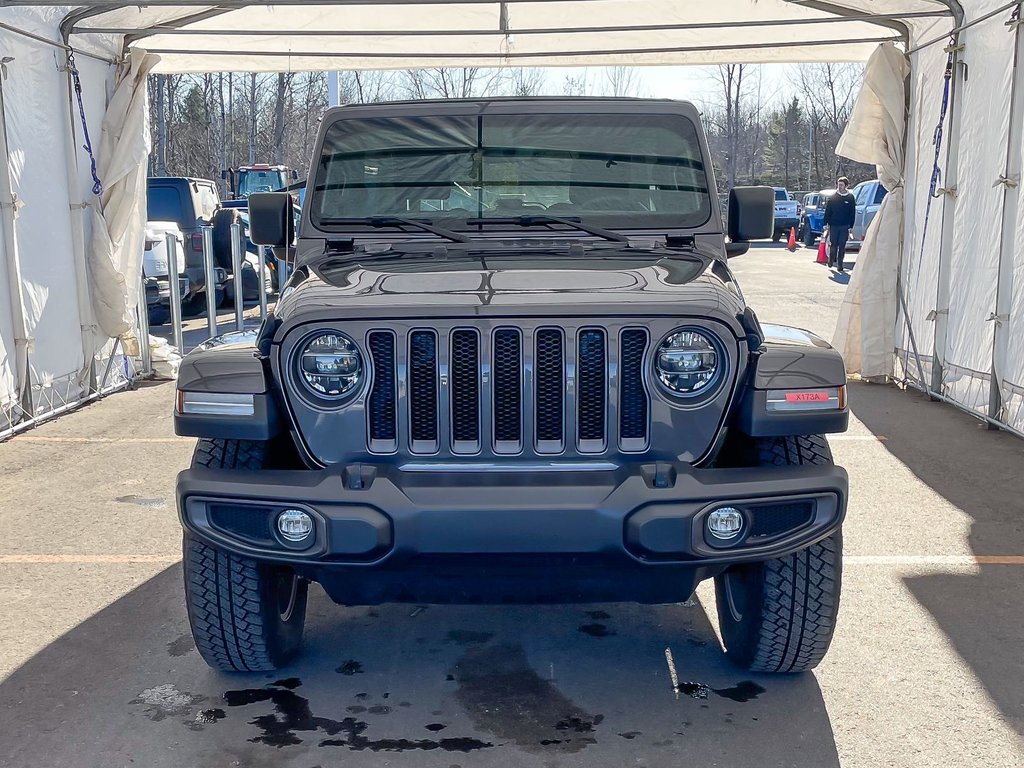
596, 630
142, 501
504, 696
468, 637
741, 692
183, 645
292, 719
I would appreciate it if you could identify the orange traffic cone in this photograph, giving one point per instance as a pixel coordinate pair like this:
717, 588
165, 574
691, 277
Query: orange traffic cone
792, 239
822, 253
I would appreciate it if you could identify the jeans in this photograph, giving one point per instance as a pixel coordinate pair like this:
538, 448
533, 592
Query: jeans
837, 237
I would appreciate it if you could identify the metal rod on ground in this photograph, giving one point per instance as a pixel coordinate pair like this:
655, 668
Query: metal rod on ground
144, 351
174, 289
236, 271
263, 252
210, 275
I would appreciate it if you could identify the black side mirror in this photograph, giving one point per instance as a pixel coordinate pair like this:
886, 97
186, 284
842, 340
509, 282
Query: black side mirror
270, 219
751, 214
224, 175
295, 175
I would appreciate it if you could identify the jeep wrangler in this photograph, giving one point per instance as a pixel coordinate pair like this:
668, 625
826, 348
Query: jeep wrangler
512, 365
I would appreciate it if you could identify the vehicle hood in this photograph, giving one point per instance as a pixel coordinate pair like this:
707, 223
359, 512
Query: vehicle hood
486, 286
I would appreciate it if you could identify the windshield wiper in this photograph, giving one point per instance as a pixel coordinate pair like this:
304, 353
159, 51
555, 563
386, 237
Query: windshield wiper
540, 219
379, 222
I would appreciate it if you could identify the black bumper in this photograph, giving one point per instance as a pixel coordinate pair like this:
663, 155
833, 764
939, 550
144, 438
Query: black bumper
632, 533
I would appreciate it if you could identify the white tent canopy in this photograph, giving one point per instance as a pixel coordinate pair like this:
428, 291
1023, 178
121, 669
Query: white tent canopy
951, 252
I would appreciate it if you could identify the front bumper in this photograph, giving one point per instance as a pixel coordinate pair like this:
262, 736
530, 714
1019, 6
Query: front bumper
561, 534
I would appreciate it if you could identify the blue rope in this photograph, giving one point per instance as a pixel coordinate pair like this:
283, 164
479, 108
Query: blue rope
97, 185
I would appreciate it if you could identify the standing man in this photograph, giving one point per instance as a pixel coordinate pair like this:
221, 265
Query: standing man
840, 213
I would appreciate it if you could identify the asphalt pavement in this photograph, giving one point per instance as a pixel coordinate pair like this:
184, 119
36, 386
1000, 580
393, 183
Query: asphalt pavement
97, 668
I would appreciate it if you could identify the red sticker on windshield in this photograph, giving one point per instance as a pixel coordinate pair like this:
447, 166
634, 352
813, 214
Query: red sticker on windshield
807, 397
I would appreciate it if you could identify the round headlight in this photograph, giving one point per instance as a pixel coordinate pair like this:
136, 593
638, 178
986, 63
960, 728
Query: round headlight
687, 362
330, 365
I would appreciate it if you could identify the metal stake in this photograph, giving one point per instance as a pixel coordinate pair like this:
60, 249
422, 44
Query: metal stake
174, 289
210, 273
262, 253
236, 268
144, 351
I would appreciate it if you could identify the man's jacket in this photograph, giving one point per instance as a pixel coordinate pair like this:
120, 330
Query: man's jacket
840, 210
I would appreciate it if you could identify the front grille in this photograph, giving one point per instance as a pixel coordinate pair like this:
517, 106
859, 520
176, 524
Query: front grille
524, 390
550, 401
423, 388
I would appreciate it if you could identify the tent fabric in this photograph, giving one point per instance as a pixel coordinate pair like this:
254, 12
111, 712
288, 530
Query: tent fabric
119, 221
867, 322
296, 37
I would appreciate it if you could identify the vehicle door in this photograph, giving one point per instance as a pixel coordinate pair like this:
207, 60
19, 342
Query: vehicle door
874, 200
860, 197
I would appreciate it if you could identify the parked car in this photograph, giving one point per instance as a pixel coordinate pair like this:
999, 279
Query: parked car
812, 216
570, 404
155, 270
786, 214
191, 204
869, 196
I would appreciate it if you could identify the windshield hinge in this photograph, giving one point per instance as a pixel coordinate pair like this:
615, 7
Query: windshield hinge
680, 241
343, 246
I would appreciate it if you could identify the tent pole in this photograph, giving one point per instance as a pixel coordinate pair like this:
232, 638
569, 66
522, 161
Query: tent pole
86, 317
942, 292
1011, 193
12, 265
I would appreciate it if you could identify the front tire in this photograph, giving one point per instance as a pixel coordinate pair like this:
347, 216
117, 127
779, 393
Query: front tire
779, 615
245, 616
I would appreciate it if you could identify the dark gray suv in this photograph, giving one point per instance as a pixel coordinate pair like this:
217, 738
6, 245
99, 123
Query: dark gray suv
512, 365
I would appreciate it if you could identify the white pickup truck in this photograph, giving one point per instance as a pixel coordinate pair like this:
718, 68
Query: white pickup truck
787, 213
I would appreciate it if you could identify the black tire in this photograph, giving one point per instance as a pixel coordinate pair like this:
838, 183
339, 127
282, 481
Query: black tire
776, 236
245, 616
808, 237
779, 615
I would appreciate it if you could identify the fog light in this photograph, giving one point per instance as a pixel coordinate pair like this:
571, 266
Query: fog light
725, 523
294, 525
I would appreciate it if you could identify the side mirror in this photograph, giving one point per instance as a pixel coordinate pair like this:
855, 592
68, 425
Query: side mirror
295, 175
751, 213
270, 219
224, 175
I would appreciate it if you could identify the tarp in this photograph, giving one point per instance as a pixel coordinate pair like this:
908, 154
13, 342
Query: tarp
867, 321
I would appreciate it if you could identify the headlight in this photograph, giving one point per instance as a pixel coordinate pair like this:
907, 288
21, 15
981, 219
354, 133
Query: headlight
688, 362
330, 365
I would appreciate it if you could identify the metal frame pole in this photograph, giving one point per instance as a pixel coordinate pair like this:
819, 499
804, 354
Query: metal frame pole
143, 309
282, 275
210, 275
1011, 193
236, 277
262, 253
174, 289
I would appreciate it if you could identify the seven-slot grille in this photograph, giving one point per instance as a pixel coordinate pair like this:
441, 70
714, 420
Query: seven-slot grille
513, 390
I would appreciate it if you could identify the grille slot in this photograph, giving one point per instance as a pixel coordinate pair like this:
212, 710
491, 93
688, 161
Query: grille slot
508, 390
423, 391
591, 390
382, 411
550, 391
633, 403
465, 397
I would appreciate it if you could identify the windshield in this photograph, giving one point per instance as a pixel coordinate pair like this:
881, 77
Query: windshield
781, 194
260, 181
609, 169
